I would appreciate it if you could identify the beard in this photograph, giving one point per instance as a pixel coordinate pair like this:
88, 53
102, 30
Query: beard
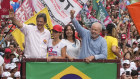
94, 35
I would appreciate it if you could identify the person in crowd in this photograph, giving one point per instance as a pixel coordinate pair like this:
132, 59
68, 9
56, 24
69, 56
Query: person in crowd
14, 69
13, 48
125, 71
1, 65
5, 75
17, 62
17, 75
93, 45
127, 56
112, 43
137, 50
56, 46
7, 55
73, 44
36, 37
103, 33
19, 51
135, 47
137, 61
123, 41
134, 74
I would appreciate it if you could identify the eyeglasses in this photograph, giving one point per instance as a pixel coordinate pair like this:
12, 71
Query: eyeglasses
125, 64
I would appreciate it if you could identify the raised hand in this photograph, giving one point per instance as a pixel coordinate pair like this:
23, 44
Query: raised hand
90, 58
14, 20
72, 12
11, 14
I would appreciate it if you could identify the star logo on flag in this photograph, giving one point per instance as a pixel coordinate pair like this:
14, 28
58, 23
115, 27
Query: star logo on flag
71, 73
4, 10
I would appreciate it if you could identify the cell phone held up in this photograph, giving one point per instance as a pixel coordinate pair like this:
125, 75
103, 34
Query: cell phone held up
127, 72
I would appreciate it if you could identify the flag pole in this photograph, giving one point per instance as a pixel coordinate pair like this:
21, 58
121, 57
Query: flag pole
6, 35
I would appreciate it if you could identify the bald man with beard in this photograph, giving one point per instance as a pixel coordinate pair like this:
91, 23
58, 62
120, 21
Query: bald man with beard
93, 45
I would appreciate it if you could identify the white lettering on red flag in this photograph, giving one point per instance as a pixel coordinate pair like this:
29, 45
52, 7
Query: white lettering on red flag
59, 10
25, 11
4, 7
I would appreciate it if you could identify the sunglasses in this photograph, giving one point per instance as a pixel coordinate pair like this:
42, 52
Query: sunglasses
125, 64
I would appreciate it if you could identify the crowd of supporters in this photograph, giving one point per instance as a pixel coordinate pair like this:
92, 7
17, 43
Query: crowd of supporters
126, 33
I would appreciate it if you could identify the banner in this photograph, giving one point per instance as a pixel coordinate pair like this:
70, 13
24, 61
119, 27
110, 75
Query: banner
59, 10
103, 15
122, 4
4, 8
134, 10
95, 6
37, 5
19, 36
134, 1
70, 70
15, 5
86, 17
25, 11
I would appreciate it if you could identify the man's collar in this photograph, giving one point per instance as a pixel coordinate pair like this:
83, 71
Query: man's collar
96, 38
39, 31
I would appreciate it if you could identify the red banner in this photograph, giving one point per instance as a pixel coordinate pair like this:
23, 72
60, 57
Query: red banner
25, 11
4, 7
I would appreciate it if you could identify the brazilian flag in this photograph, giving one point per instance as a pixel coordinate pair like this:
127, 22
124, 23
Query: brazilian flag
70, 70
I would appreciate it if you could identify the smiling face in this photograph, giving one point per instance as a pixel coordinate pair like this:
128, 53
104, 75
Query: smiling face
40, 23
69, 31
95, 30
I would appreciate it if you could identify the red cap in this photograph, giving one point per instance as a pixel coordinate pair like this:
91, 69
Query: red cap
123, 36
7, 50
135, 42
57, 28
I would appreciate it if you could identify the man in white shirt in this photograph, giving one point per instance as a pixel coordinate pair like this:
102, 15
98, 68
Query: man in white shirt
1, 64
36, 37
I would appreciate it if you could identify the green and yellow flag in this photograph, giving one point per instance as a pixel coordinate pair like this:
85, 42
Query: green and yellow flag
19, 36
70, 70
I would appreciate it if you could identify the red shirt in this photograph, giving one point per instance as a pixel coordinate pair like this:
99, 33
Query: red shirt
6, 61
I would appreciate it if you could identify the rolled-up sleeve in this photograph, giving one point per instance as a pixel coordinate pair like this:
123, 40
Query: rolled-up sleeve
82, 31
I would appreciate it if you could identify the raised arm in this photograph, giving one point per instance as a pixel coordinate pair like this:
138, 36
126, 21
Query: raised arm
82, 31
14, 20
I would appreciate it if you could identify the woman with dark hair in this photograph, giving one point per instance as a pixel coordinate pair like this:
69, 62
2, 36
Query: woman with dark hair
112, 42
128, 56
73, 45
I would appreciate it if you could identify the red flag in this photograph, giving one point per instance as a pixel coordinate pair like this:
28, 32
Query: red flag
134, 10
15, 0
4, 7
